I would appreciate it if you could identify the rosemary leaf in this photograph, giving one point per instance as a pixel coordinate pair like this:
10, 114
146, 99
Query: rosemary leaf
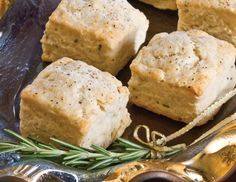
100, 150
67, 145
79, 162
75, 156
9, 150
26, 141
129, 144
46, 146
100, 164
70, 155
132, 155
73, 161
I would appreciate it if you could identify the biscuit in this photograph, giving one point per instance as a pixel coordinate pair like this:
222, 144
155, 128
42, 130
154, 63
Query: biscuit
180, 74
102, 33
214, 17
76, 103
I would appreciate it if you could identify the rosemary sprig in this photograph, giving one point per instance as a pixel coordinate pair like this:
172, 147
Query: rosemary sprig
70, 155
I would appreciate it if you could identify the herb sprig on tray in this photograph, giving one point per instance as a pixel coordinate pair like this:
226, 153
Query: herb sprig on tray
96, 157
66, 154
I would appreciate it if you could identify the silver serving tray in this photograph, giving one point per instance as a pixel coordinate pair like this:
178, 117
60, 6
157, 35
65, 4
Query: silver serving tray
20, 62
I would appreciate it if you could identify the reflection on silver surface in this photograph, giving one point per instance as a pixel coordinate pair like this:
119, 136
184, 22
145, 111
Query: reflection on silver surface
214, 161
31, 173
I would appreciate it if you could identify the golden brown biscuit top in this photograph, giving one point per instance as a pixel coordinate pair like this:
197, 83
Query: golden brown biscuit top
184, 59
75, 89
105, 18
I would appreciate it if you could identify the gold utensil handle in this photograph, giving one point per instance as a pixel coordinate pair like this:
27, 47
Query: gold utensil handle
215, 160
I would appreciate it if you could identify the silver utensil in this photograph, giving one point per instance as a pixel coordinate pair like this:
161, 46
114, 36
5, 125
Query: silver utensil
30, 173
211, 158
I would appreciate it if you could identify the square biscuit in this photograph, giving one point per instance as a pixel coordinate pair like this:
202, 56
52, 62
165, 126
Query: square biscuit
212, 16
76, 103
180, 74
102, 33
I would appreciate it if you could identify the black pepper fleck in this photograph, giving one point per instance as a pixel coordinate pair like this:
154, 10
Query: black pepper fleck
99, 47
